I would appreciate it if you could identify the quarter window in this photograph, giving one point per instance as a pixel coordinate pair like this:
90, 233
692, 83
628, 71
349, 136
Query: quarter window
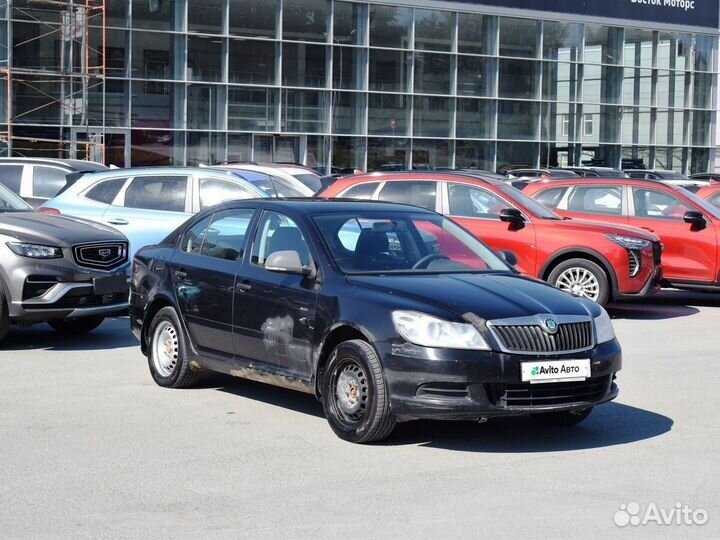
47, 181
651, 203
105, 192
157, 193
472, 202
11, 177
606, 200
214, 191
421, 194
277, 232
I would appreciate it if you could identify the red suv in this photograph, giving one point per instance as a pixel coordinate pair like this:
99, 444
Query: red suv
710, 193
687, 225
600, 262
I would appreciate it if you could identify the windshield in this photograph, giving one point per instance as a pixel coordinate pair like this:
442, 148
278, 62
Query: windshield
534, 207
310, 180
9, 202
378, 243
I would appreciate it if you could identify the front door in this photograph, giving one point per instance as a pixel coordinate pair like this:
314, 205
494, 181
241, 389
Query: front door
478, 210
275, 313
203, 272
689, 252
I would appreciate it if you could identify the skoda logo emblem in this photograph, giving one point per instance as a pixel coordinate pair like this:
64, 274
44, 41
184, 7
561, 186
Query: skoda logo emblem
105, 253
551, 326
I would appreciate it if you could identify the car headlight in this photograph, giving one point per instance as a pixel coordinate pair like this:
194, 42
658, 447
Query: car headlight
35, 251
603, 327
628, 242
428, 331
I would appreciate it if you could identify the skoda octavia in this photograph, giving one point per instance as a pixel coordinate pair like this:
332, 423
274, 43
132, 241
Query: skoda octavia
385, 312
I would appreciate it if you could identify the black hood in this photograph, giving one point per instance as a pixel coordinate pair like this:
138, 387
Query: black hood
489, 296
61, 231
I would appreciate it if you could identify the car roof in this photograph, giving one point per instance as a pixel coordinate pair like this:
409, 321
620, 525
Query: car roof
75, 164
329, 206
418, 175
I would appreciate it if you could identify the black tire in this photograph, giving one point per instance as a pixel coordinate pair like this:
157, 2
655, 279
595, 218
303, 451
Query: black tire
560, 278
173, 371
358, 363
77, 326
562, 418
4, 317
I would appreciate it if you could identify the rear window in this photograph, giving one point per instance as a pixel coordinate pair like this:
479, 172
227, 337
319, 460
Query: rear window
310, 180
10, 177
47, 181
105, 192
157, 193
361, 191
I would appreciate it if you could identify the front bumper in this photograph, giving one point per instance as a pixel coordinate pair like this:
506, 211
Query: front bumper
466, 385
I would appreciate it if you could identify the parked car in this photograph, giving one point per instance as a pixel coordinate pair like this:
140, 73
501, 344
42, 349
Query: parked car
687, 225
710, 193
596, 172
669, 177
595, 260
38, 179
387, 313
147, 204
306, 175
273, 185
68, 272
709, 177
542, 174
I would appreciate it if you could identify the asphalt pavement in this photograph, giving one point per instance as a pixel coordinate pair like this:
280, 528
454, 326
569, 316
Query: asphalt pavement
90, 447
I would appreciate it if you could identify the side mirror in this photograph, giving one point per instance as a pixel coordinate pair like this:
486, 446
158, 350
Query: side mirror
512, 215
508, 256
288, 262
694, 218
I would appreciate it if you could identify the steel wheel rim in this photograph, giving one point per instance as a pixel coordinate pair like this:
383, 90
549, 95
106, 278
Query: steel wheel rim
350, 385
579, 281
165, 349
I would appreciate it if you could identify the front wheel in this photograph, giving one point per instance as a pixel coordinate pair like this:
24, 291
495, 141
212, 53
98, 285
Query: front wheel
354, 394
581, 277
77, 326
563, 418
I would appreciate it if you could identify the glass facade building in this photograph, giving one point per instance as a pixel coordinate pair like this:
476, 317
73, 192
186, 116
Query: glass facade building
344, 84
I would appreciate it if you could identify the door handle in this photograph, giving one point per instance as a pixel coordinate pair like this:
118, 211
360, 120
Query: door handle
180, 274
648, 229
118, 221
242, 286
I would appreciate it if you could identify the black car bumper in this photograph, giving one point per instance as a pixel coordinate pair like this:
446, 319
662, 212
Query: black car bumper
465, 385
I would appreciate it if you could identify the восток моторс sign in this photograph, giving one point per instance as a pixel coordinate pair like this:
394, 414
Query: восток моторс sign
701, 13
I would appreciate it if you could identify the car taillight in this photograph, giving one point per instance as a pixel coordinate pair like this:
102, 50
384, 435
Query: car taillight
51, 211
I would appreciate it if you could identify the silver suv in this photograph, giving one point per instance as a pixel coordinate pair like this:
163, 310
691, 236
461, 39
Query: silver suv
68, 272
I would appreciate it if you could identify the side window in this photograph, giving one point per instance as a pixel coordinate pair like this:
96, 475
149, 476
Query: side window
417, 193
277, 232
654, 204
551, 197
632, 174
193, 238
11, 176
105, 192
225, 239
472, 202
214, 191
605, 200
157, 193
361, 191
715, 199
47, 181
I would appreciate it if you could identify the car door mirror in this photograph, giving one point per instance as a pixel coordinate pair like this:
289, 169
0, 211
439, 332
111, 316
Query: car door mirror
512, 215
694, 218
508, 256
288, 262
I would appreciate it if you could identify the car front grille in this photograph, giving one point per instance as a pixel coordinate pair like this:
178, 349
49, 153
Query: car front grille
534, 338
525, 395
105, 256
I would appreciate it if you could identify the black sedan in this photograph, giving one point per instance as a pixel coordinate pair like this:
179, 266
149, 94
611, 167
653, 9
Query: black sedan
385, 312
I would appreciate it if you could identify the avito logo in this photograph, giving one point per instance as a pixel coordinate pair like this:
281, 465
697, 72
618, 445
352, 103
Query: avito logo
554, 370
681, 514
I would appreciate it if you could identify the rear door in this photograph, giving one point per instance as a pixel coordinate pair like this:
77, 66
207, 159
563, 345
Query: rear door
149, 208
689, 252
203, 273
478, 210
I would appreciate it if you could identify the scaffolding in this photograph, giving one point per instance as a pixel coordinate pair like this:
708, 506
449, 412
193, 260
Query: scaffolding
77, 70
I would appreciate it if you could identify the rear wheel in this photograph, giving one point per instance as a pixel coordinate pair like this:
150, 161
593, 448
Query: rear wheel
355, 396
167, 358
563, 418
4, 317
581, 277
77, 326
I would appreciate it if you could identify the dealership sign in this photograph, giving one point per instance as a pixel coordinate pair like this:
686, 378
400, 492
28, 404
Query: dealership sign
702, 13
